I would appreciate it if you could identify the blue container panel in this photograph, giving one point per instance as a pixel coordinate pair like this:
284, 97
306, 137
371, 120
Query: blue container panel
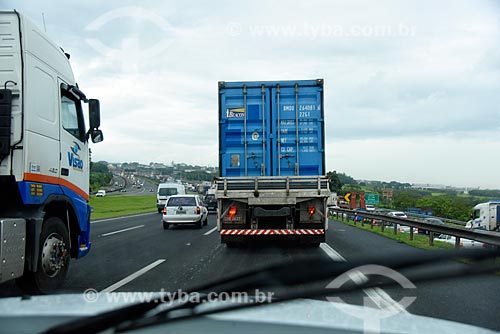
272, 147
232, 131
309, 133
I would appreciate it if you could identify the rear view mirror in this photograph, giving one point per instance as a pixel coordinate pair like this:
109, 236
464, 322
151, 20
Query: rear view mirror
94, 114
96, 136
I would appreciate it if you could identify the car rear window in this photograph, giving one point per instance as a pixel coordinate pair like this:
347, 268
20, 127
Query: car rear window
181, 201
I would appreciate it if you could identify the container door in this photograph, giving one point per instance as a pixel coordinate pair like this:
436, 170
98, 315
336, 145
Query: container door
244, 131
298, 130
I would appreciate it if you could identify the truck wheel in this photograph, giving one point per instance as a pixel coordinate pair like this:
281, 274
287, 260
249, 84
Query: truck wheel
53, 259
166, 225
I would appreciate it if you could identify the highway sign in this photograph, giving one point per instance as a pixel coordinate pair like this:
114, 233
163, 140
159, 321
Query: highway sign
347, 197
372, 199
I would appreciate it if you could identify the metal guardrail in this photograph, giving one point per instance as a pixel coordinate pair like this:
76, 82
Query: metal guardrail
446, 220
488, 237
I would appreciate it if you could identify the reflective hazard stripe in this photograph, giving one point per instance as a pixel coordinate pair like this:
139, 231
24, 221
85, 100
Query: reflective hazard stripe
272, 232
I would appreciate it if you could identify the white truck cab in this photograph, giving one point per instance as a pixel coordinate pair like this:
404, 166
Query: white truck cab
486, 216
44, 158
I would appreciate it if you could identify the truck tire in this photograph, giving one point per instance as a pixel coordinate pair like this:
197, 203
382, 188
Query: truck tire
53, 259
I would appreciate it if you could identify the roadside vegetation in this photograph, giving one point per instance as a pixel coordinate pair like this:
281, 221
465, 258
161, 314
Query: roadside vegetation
116, 206
419, 241
447, 203
100, 176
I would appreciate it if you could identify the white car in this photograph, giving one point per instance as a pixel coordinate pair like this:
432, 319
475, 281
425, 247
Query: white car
370, 208
184, 209
465, 243
406, 229
397, 214
100, 193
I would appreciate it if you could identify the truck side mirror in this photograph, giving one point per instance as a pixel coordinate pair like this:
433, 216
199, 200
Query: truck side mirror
96, 136
94, 115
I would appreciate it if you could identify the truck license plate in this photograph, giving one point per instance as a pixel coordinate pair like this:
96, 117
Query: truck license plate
235, 219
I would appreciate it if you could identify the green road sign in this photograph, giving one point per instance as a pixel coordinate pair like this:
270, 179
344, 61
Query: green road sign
371, 199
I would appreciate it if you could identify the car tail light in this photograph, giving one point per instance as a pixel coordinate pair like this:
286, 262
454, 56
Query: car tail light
311, 210
165, 210
198, 210
232, 211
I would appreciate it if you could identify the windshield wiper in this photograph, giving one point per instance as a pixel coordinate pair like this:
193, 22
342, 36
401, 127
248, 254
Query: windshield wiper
285, 276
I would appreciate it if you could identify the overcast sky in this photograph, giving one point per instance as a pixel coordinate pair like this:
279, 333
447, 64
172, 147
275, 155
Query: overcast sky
412, 91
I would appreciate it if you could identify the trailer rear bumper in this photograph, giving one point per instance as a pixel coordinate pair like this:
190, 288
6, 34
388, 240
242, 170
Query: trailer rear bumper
244, 236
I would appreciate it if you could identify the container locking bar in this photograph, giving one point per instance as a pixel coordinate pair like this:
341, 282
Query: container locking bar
263, 165
245, 128
297, 162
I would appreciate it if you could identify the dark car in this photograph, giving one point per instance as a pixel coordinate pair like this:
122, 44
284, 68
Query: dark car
210, 202
435, 221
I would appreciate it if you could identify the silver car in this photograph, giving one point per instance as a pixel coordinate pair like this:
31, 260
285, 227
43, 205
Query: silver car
184, 209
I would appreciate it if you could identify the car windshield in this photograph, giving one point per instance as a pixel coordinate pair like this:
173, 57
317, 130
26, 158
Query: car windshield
241, 135
167, 191
181, 201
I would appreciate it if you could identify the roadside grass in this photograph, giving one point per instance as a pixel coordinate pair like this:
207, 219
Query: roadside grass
116, 206
418, 241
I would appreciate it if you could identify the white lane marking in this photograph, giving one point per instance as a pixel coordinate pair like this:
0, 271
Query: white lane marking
332, 253
120, 231
122, 217
381, 298
210, 231
133, 276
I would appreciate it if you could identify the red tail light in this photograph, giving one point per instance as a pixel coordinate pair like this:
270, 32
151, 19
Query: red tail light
198, 210
311, 210
164, 210
232, 212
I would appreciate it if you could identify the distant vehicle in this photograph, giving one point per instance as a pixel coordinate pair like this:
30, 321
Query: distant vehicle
210, 202
123, 190
332, 200
406, 229
165, 190
465, 243
370, 208
397, 214
435, 221
100, 193
184, 209
486, 216
356, 216
150, 190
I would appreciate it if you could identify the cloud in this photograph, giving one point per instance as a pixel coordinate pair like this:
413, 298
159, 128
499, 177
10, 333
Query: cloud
413, 72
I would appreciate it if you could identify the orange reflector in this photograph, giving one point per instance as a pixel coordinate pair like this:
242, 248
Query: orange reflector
311, 210
232, 211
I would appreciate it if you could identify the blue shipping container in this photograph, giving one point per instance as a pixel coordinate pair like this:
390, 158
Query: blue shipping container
258, 135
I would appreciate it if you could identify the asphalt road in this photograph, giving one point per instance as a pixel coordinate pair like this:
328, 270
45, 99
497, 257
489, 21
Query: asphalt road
185, 257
